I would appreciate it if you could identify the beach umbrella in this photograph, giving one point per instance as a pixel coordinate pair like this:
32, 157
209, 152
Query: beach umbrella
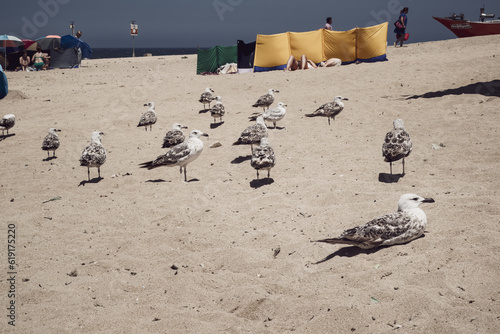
10, 44
48, 42
28, 43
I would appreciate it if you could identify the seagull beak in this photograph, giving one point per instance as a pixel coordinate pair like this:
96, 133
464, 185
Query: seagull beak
58, 130
184, 127
345, 99
146, 105
276, 91
205, 134
428, 200
101, 133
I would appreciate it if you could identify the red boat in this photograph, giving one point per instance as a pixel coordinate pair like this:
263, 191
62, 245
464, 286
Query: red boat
467, 28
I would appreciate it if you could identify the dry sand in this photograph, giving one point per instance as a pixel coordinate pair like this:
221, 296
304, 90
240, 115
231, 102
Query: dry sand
140, 251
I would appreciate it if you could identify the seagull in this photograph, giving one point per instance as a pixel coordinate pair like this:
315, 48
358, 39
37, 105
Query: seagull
330, 109
397, 144
266, 100
273, 115
218, 109
7, 122
399, 227
94, 155
174, 136
253, 134
149, 117
263, 157
51, 142
206, 96
180, 155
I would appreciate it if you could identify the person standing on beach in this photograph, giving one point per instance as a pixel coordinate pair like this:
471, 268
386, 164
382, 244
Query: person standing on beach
328, 24
400, 29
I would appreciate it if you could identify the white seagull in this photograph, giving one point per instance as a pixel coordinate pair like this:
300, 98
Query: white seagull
263, 157
330, 109
51, 142
149, 117
217, 111
7, 122
207, 97
273, 115
253, 134
94, 155
402, 226
397, 144
265, 100
180, 155
175, 136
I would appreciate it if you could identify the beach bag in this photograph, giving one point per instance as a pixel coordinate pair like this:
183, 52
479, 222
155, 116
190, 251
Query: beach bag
407, 35
398, 24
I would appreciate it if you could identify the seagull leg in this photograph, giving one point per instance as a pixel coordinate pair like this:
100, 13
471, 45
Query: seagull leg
99, 172
391, 166
48, 154
328, 120
257, 174
185, 174
403, 166
88, 172
269, 173
180, 171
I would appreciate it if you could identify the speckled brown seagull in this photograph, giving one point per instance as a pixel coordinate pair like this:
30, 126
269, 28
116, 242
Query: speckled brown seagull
7, 122
330, 109
207, 97
51, 142
263, 157
94, 155
402, 226
397, 144
265, 100
217, 111
175, 136
253, 134
149, 117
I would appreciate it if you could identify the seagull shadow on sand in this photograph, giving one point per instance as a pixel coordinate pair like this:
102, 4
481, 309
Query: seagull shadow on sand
216, 125
257, 183
94, 180
157, 181
351, 251
203, 111
489, 88
49, 158
2, 137
389, 178
241, 159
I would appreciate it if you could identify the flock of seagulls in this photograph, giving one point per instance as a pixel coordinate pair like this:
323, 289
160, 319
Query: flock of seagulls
406, 224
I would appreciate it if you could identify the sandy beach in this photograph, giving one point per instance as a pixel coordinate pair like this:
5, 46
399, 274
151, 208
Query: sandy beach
139, 251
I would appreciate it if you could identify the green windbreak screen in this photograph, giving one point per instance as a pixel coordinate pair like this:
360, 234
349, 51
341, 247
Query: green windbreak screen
209, 60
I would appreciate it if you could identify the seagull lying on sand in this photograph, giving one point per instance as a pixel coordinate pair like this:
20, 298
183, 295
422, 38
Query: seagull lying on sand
218, 109
149, 117
397, 144
400, 227
51, 142
265, 100
94, 155
174, 136
330, 109
207, 97
253, 134
273, 115
180, 155
263, 157
7, 122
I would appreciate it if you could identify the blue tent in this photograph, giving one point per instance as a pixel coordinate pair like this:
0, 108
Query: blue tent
68, 41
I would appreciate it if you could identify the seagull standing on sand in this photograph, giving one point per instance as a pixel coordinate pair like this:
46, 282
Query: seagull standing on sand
263, 157
397, 144
94, 155
7, 122
265, 100
180, 155
149, 117
51, 142
253, 134
207, 97
174, 136
330, 109
218, 109
273, 115
402, 226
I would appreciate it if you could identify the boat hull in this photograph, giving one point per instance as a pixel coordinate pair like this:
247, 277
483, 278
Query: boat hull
466, 28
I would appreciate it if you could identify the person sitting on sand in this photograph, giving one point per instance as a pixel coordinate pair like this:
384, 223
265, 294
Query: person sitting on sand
46, 61
37, 59
24, 62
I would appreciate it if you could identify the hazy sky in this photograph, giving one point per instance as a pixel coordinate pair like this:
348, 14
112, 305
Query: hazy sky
205, 23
